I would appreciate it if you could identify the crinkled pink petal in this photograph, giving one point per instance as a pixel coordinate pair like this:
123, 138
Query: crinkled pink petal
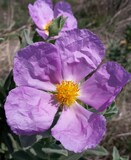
29, 111
38, 66
101, 89
49, 2
64, 9
81, 52
41, 13
78, 129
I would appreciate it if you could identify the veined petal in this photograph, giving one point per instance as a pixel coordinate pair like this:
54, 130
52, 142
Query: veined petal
78, 129
101, 89
81, 52
64, 9
29, 111
38, 65
41, 13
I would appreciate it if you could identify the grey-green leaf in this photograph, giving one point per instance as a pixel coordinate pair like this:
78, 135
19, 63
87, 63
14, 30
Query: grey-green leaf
111, 111
21, 155
98, 151
73, 156
58, 151
56, 26
124, 158
115, 154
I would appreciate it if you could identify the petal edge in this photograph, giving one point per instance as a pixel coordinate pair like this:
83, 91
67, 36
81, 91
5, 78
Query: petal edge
29, 111
78, 129
100, 90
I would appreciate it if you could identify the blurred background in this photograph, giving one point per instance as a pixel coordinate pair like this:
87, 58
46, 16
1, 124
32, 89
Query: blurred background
111, 21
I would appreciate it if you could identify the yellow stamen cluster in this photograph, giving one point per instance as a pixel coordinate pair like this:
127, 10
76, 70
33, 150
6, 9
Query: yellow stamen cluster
46, 27
67, 92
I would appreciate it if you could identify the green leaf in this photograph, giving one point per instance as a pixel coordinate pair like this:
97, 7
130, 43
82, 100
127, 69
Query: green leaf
72, 156
1, 39
27, 141
22, 155
25, 38
37, 148
46, 147
56, 26
37, 38
115, 154
7, 141
26, 34
15, 141
98, 151
124, 158
111, 111
58, 151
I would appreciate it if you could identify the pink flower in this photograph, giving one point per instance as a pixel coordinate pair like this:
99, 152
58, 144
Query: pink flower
43, 13
51, 76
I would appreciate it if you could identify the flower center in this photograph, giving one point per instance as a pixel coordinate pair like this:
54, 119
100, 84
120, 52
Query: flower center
46, 27
67, 92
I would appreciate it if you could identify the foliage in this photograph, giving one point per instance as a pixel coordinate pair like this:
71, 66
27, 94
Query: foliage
120, 51
116, 155
56, 26
111, 111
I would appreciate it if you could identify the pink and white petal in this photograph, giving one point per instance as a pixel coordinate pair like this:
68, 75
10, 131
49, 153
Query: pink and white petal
101, 89
42, 33
78, 129
41, 13
29, 111
64, 9
81, 52
38, 65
